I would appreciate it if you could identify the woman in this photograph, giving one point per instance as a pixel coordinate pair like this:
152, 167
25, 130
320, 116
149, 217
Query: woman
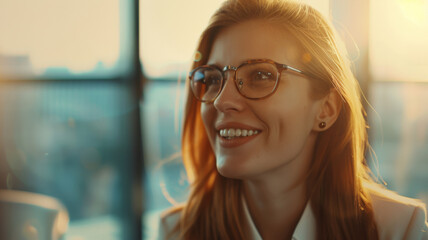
274, 136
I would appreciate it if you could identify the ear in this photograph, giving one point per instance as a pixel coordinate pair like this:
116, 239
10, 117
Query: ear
329, 110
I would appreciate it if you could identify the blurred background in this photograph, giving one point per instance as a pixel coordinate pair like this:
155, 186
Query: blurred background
91, 95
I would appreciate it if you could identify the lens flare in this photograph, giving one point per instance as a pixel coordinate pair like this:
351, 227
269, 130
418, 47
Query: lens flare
198, 56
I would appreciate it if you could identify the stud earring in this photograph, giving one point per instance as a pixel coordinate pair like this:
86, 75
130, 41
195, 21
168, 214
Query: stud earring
322, 125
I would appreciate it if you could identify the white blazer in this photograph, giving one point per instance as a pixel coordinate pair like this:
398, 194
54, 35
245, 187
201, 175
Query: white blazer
396, 217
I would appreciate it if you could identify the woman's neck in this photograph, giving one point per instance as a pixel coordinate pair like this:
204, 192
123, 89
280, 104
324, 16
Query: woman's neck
275, 210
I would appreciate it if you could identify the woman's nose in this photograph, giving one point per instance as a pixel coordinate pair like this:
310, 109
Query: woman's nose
229, 98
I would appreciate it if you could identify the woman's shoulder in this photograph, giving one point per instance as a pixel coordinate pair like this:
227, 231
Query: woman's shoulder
168, 221
398, 217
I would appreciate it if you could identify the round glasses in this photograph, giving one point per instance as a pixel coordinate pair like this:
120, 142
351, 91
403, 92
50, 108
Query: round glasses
254, 79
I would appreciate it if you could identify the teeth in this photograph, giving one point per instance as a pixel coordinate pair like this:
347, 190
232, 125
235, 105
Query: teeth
238, 132
232, 132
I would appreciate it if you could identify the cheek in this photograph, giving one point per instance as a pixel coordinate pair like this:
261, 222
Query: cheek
290, 124
295, 111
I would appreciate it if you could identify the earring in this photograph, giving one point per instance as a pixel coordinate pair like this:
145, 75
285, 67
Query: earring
322, 125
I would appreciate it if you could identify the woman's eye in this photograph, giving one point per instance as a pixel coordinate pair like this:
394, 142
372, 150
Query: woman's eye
211, 80
262, 75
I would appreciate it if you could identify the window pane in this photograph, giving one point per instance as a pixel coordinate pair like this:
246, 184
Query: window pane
72, 142
399, 136
399, 59
169, 31
166, 182
59, 38
398, 40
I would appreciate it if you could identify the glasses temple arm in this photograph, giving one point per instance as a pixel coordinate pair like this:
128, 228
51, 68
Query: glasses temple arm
299, 71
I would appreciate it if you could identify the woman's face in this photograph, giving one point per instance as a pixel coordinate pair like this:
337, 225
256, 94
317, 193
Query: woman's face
284, 121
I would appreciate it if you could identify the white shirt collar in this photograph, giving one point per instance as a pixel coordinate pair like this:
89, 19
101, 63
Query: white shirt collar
305, 229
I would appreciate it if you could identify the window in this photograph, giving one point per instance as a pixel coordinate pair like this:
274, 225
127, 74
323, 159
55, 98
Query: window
168, 35
398, 93
69, 113
398, 37
49, 38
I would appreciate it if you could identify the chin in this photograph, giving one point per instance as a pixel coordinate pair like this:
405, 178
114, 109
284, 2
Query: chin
231, 170
228, 174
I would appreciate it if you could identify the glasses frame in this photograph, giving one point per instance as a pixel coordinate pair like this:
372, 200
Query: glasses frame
279, 66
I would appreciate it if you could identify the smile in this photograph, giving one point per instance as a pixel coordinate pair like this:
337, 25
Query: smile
230, 133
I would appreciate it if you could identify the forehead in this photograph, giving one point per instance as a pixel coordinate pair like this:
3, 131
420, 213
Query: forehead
255, 39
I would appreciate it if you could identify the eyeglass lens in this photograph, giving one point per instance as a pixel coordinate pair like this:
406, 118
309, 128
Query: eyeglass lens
253, 80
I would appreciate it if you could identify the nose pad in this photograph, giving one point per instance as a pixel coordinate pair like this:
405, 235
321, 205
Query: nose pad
229, 97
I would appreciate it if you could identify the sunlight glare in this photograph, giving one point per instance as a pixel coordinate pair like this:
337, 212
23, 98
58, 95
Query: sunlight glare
415, 10
169, 31
398, 40
74, 35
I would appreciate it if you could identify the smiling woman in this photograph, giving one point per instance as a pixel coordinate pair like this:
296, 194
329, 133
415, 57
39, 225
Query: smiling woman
274, 135
283, 130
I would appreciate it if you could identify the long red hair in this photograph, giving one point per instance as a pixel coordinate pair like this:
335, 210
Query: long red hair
338, 173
